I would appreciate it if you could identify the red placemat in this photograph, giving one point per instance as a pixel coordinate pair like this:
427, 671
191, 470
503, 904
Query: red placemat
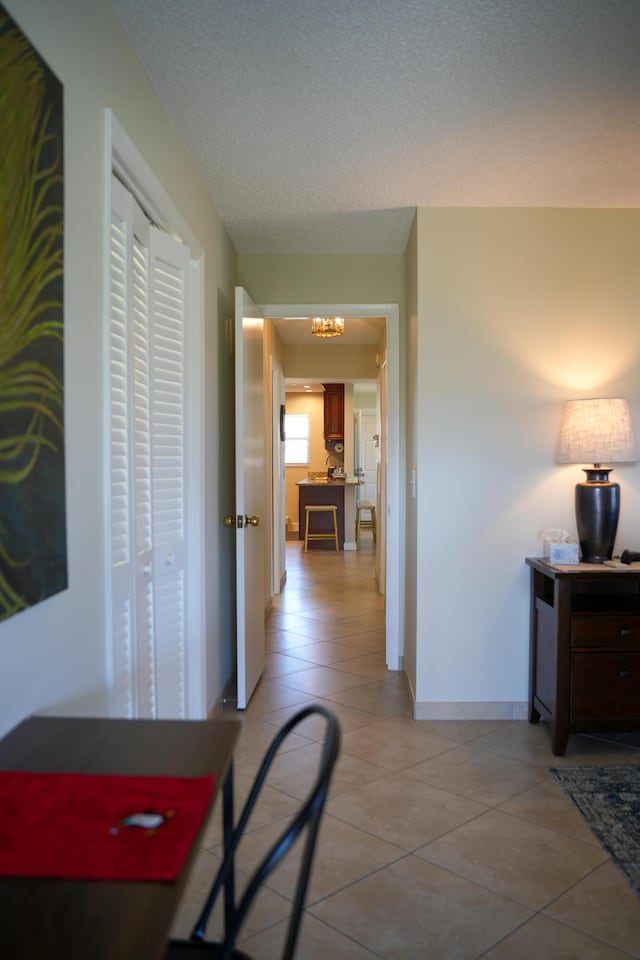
73, 826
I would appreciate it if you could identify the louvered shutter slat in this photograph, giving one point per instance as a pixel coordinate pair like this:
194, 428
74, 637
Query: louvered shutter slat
141, 399
168, 401
120, 502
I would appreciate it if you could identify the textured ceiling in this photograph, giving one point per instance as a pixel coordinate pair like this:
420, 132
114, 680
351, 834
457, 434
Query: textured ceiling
319, 125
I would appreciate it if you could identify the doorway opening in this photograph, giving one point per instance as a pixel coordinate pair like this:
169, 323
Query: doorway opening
390, 520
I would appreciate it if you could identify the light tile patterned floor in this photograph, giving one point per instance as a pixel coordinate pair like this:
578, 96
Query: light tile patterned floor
441, 840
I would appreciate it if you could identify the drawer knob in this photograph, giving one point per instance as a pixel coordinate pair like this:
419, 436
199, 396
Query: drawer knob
625, 632
625, 674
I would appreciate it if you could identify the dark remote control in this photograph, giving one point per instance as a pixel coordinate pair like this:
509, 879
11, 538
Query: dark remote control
629, 556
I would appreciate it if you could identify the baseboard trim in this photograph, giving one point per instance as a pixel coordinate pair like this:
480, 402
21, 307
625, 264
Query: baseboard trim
471, 710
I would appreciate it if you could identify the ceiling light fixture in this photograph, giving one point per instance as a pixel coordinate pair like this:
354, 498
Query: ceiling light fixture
327, 326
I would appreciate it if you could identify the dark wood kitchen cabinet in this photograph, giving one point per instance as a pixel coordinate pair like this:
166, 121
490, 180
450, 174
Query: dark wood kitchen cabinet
584, 649
333, 411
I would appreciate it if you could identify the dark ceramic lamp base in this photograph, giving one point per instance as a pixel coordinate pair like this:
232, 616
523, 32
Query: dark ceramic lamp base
597, 512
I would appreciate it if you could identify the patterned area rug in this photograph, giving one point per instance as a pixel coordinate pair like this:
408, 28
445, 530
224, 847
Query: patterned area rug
609, 800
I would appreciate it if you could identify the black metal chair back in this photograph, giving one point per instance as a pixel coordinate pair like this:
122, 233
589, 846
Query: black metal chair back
306, 819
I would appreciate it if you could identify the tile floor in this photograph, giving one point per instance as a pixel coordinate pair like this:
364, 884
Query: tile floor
445, 840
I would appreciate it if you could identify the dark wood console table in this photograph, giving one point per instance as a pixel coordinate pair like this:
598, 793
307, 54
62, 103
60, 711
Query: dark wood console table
584, 648
105, 920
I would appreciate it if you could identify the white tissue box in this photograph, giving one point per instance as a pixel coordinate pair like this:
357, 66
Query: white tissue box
561, 552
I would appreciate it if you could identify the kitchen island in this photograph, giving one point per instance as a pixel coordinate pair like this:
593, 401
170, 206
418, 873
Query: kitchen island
328, 492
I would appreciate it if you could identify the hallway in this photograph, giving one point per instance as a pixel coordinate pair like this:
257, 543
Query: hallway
444, 840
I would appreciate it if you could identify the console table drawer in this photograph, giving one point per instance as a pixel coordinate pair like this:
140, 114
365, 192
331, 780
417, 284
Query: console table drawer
605, 686
594, 630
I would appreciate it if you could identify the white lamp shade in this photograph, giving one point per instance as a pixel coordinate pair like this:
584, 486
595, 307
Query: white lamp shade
596, 431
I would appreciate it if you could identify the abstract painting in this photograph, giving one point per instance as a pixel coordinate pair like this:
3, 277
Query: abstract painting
33, 551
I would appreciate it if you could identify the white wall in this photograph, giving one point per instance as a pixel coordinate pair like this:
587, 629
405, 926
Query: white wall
53, 656
518, 310
365, 399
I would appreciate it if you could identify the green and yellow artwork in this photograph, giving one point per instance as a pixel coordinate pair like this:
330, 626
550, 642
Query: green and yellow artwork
33, 552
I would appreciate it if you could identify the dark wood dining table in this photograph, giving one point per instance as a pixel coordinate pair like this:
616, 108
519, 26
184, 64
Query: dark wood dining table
106, 920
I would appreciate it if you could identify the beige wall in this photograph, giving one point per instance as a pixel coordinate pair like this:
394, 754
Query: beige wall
313, 405
517, 311
302, 278
331, 360
54, 656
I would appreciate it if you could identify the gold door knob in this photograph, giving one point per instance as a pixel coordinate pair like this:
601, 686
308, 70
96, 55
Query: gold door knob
229, 521
252, 521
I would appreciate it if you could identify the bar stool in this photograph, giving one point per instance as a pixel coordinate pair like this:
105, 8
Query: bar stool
326, 535
362, 524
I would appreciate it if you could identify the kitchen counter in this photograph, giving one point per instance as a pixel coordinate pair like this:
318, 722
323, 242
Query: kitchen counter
326, 482
317, 491
321, 493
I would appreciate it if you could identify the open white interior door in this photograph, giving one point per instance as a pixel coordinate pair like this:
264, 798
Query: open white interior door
249, 397
367, 453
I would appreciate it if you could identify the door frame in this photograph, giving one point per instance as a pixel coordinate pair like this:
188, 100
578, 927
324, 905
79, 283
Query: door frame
394, 505
124, 160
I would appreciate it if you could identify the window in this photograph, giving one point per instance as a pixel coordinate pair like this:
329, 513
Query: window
296, 444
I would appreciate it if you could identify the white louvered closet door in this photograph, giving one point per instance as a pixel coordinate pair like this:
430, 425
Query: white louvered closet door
148, 302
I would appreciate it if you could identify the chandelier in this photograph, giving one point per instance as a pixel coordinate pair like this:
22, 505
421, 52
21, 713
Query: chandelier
327, 326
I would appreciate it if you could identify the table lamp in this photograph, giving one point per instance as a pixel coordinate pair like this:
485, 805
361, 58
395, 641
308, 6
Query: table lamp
597, 432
